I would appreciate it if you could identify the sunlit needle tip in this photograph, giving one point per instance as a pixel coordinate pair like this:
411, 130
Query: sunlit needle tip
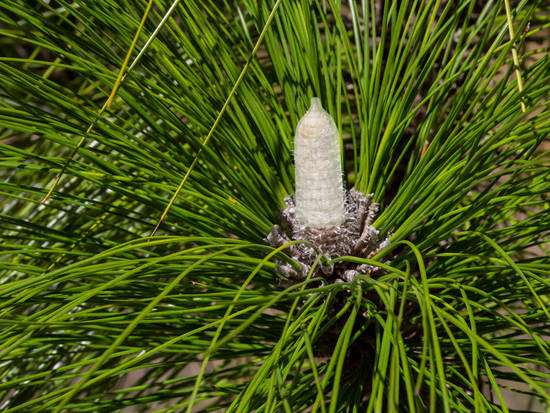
155, 230
45, 199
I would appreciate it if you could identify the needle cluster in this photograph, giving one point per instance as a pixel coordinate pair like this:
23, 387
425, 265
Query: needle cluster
355, 236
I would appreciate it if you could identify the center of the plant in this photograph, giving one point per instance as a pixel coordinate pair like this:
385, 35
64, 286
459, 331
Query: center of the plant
337, 222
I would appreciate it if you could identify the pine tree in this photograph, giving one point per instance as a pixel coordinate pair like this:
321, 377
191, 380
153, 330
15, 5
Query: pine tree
123, 118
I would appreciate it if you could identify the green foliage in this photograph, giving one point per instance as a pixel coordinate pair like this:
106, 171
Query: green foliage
97, 317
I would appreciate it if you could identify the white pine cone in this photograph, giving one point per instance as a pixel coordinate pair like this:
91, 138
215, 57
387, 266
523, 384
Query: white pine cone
319, 186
